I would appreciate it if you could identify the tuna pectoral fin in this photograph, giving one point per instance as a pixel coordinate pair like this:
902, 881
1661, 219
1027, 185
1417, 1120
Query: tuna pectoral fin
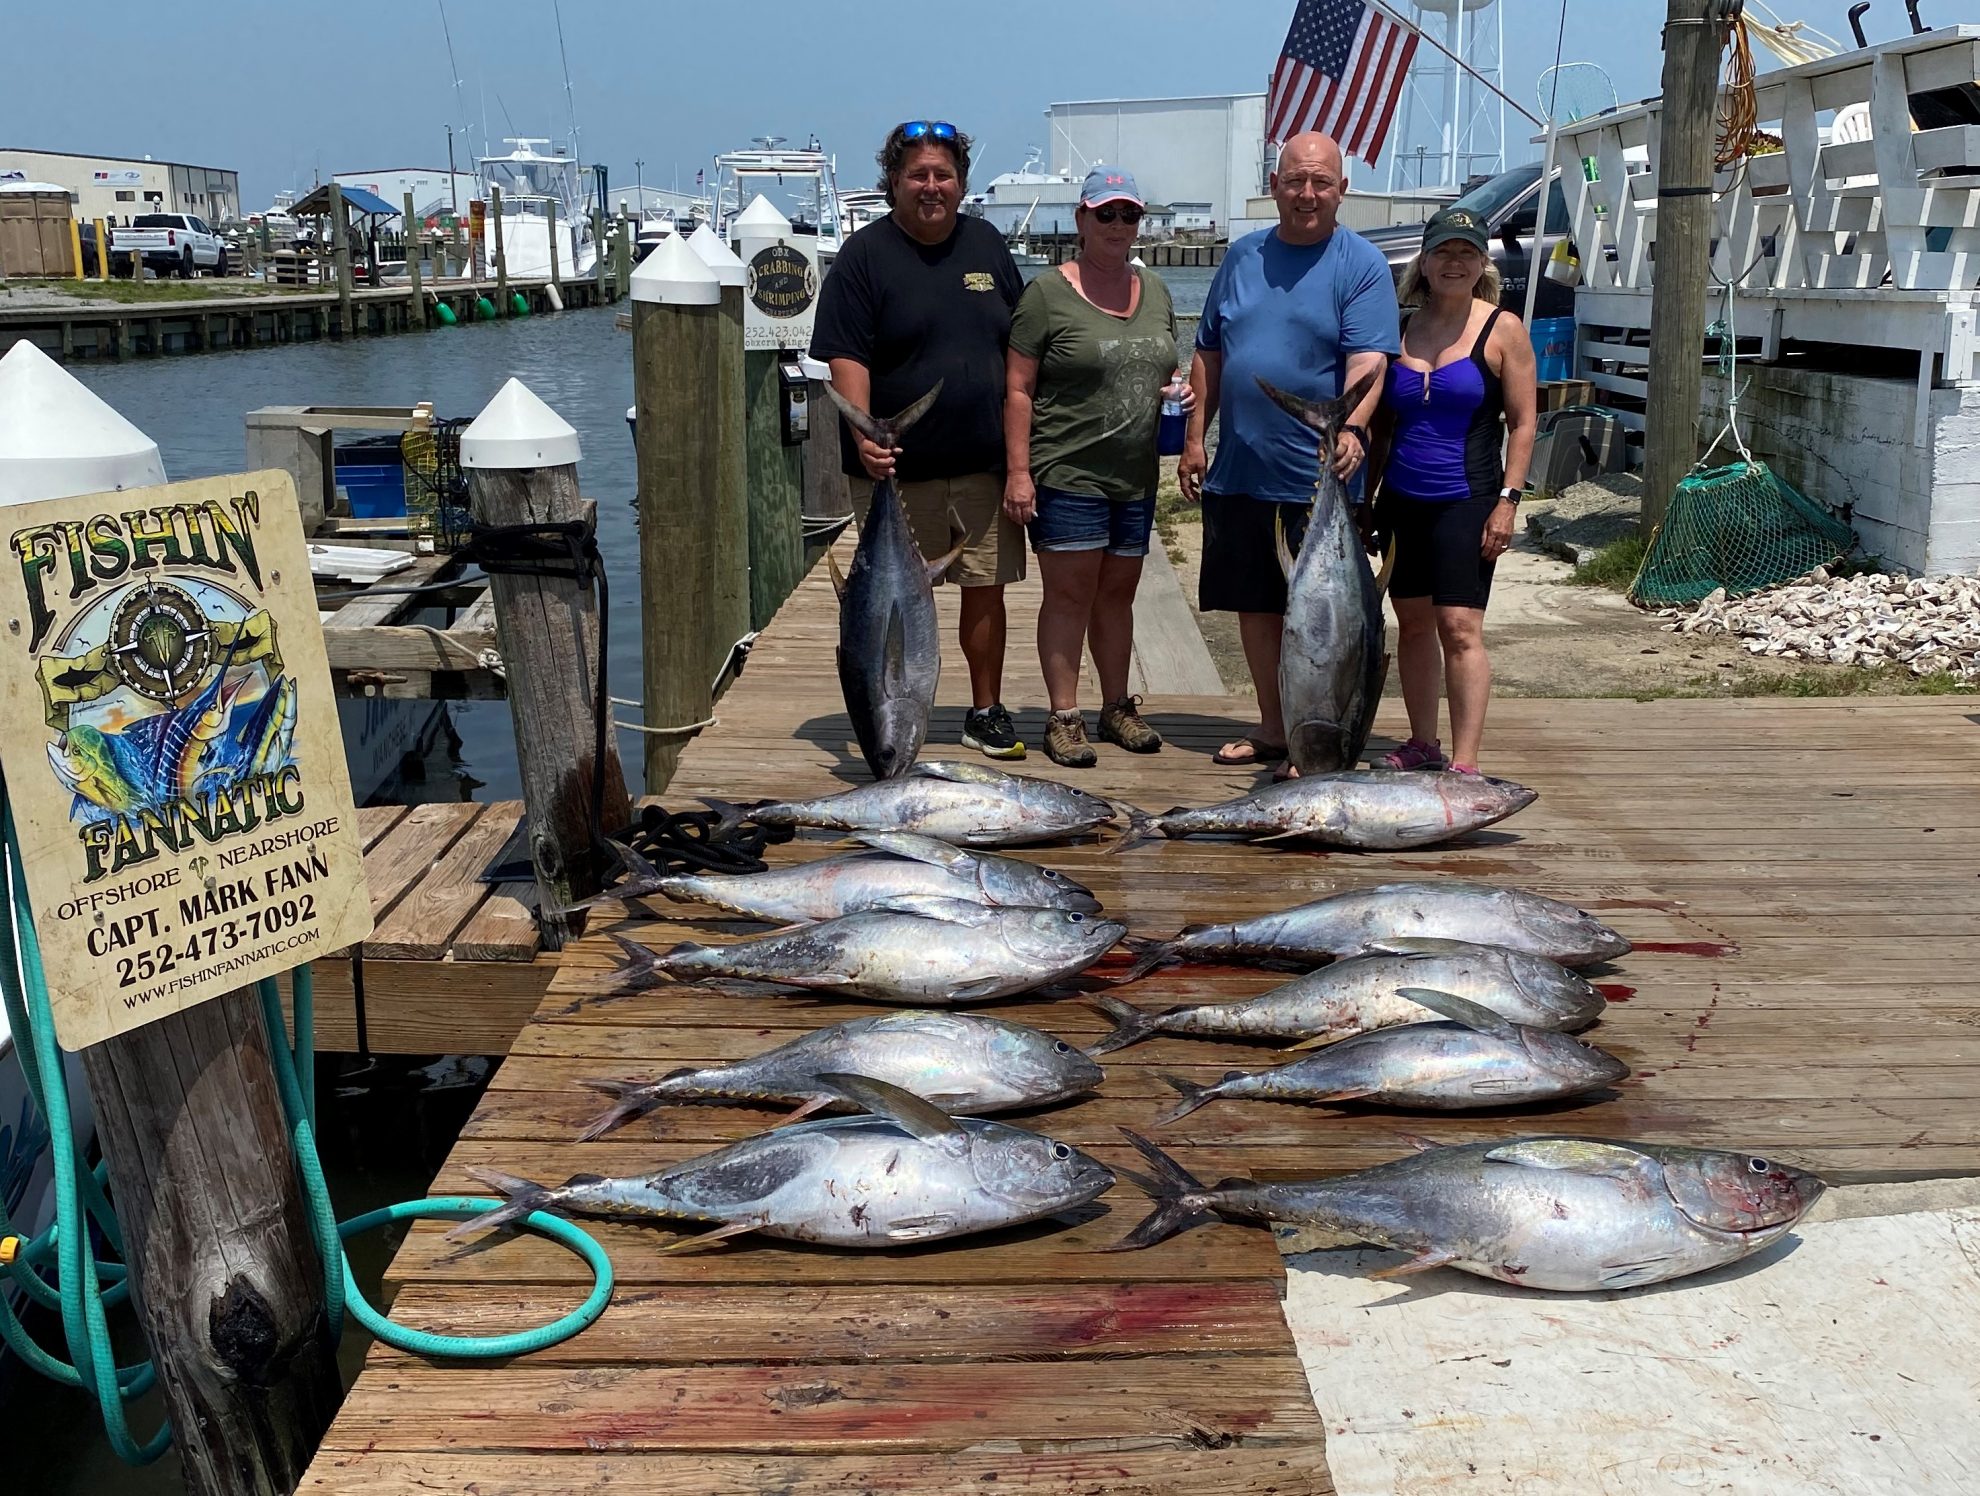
1317, 1041
1279, 543
1572, 1156
1382, 586
1472, 1015
956, 773
838, 576
1422, 1262
1635, 1274
916, 1117
816, 1104
709, 1239
893, 654
917, 848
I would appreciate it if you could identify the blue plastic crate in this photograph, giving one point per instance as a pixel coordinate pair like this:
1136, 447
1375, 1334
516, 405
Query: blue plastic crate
376, 491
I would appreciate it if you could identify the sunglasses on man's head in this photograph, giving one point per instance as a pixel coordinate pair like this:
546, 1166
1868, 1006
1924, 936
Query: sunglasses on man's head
928, 129
1129, 216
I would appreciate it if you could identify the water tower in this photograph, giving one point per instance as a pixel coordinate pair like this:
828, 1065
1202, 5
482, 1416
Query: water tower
1450, 126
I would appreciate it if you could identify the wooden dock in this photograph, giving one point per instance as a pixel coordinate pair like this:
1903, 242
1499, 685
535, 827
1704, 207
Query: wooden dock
1802, 882
151, 328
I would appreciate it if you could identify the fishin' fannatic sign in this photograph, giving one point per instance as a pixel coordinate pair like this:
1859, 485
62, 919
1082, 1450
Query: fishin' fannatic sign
171, 748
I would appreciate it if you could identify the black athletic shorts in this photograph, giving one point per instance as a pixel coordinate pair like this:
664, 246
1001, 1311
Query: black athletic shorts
1241, 572
1439, 548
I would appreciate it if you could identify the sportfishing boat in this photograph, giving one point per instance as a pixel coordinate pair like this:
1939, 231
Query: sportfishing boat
806, 180
534, 186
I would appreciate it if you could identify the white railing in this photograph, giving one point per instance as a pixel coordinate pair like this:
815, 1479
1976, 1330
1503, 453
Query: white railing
1813, 216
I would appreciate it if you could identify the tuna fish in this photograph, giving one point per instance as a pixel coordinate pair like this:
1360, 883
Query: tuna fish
963, 1063
913, 950
1361, 919
1331, 659
968, 805
901, 864
1359, 995
1575, 1215
890, 643
907, 1173
1477, 1059
1367, 809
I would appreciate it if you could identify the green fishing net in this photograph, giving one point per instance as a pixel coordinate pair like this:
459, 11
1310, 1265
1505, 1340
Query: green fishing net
1740, 527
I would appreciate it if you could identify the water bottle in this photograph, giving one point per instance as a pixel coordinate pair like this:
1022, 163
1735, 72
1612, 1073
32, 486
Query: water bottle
1169, 433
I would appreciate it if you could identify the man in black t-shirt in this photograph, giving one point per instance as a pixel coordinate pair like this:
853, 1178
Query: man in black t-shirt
925, 294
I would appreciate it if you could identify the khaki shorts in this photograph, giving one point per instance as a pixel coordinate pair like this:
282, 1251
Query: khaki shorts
995, 552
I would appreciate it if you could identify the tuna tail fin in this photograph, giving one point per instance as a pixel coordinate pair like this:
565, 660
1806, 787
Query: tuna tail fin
1148, 954
1131, 1024
1142, 827
939, 567
521, 1197
641, 969
1179, 1199
1324, 416
728, 816
1192, 1095
883, 433
635, 1099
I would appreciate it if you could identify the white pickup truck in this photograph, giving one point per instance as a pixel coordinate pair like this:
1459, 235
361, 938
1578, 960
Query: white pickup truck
169, 243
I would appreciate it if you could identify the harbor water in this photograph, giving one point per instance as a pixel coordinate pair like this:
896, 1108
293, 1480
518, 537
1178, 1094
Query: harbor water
195, 408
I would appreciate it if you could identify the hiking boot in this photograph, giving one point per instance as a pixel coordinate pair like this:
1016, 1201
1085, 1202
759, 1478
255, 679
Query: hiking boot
988, 729
1065, 741
1122, 723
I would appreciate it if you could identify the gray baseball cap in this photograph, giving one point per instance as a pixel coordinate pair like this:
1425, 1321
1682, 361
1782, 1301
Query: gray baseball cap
1109, 184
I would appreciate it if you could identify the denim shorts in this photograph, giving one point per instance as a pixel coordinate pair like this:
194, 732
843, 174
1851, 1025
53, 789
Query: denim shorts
1075, 522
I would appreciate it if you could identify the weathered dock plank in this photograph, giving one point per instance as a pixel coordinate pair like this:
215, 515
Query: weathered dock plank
1800, 877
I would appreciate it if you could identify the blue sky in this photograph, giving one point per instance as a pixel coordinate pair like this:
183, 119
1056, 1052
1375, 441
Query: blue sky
280, 93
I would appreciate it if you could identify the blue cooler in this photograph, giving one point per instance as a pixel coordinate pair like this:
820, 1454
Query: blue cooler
1553, 348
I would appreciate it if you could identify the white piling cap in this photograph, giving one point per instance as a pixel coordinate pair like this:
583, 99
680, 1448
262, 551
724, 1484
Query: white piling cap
57, 439
517, 430
760, 220
674, 275
717, 256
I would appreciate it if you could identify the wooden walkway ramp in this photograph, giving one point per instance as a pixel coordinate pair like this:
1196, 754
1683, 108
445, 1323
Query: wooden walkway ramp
1801, 878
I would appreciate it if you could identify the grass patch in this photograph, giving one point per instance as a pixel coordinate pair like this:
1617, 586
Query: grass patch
1172, 511
160, 293
1614, 566
1816, 681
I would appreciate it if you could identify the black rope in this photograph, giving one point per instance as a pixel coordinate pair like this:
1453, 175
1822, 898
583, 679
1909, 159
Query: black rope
696, 841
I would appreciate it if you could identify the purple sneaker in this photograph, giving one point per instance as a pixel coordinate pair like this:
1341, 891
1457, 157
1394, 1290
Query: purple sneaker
1417, 754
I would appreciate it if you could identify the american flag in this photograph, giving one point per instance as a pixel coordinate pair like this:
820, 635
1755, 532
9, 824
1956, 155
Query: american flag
1340, 72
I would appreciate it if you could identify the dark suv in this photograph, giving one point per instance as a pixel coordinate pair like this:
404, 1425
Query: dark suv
1508, 204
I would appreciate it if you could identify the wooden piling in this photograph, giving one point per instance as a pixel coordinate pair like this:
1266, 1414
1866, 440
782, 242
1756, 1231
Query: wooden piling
102, 250
418, 313
776, 491
598, 252
547, 630
225, 1275
556, 286
501, 258
340, 255
679, 325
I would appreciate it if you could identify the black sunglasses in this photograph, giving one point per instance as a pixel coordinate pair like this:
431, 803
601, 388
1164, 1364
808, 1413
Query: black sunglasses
928, 129
1128, 216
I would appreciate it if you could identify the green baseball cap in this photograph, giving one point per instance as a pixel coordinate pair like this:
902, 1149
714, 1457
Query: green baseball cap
1456, 223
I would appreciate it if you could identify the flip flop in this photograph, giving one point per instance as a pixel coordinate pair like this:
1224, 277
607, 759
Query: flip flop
1285, 771
1261, 754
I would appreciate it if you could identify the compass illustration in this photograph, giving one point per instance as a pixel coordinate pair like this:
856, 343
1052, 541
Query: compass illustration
160, 642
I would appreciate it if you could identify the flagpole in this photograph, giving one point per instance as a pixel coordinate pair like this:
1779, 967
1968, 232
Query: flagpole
1383, 10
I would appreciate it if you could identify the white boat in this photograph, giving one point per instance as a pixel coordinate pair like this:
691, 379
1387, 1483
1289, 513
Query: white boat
532, 185
806, 179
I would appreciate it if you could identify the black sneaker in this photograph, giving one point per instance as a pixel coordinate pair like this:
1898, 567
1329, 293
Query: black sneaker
989, 731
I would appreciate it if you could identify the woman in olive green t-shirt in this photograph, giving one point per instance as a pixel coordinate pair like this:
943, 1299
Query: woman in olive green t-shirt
1093, 346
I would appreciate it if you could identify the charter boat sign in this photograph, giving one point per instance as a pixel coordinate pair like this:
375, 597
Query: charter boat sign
171, 748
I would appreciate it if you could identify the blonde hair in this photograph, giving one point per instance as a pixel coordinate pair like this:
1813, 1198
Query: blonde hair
1412, 291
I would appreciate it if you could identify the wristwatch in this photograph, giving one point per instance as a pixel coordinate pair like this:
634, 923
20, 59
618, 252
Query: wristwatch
1511, 496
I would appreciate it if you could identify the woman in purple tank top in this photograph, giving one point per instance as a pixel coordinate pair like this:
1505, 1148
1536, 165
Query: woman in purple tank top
1452, 442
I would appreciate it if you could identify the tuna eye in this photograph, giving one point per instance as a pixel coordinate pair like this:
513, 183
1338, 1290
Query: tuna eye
1061, 1046
1060, 1150
1049, 874
1075, 919
1759, 1165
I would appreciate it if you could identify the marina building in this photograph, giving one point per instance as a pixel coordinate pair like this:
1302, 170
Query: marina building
434, 189
1207, 149
117, 188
